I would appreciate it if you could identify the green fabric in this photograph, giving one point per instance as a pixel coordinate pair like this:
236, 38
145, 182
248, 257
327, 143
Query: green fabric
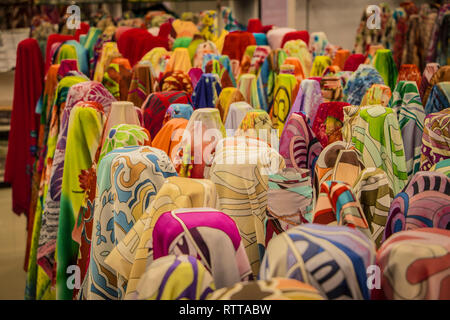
319, 65
385, 65
110, 83
182, 42
83, 137
67, 51
192, 48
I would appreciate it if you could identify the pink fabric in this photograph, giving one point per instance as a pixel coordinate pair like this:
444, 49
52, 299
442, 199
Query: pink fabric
67, 65
195, 74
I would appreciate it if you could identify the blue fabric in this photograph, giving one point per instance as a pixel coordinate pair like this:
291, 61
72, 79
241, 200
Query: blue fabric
206, 91
361, 80
180, 110
207, 58
226, 63
438, 99
261, 39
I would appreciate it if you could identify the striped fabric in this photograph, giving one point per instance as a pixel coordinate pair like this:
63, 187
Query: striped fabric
141, 85
443, 167
435, 139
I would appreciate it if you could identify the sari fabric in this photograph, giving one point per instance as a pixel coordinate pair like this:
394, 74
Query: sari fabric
377, 137
203, 49
285, 89
141, 85
269, 71
173, 277
131, 255
423, 250
155, 107
178, 110
257, 124
109, 52
361, 80
319, 65
179, 61
176, 81
299, 49
170, 135
331, 88
117, 78
210, 235
215, 67
385, 65
348, 251
273, 289
128, 179
407, 104
377, 94
298, 143
428, 73
435, 139
158, 58
83, 138
308, 100
206, 92
328, 122
430, 190
240, 171
442, 75
227, 97
410, 72
439, 98
236, 113
247, 85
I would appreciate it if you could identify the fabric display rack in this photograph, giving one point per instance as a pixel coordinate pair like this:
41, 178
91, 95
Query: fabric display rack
199, 157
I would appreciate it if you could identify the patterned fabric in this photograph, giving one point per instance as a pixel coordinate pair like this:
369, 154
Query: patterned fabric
257, 125
410, 72
299, 49
285, 88
361, 80
407, 104
131, 255
319, 65
175, 278
435, 139
215, 67
206, 92
141, 84
226, 98
377, 94
269, 70
298, 144
331, 88
308, 99
415, 265
333, 259
273, 289
158, 58
336, 204
375, 196
176, 81
328, 122
318, 43
377, 137
439, 98
247, 85
443, 74
430, 190
236, 113
443, 167
117, 78
109, 52
240, 171
128, 179
384, 63
210, 235
428, 73
178, 110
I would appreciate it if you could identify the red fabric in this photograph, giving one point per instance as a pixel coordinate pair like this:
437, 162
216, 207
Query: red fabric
254, 26
133, 44
52, 39
84, 29
156, 105
235, 44
28, 86
165, 30
353, 62
267, 28
296, 35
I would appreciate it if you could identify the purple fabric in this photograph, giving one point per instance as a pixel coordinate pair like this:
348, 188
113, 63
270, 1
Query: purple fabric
308, 100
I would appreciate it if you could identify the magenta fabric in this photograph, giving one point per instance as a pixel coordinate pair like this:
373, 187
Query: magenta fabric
67, 65
308, 100
195, 74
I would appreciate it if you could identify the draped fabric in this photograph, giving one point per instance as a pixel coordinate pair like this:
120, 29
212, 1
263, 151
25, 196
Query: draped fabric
235, 44
236, 113
430, 190
247, 85
442, 166
435, 139
319, 65
428, 73
439, 98
377, 94
273, 289
179, 61
141, 85
215, 67
208, 234
331, 88
298, 143
117, 78
275, 36
227, 97
285, 90
305, 253
296, 35
353, 62
178, 110
170, 136
158, 58
269, 71
328, 122
308, 99
423, 250
257, 124
206, 92
84, 131
298, 69
240, 172
176, 81
361, 80
180, 277
155, 106
410, 72
407, 104
128, 179
443, 74
340, 58
299, 49
131, 255
108, 53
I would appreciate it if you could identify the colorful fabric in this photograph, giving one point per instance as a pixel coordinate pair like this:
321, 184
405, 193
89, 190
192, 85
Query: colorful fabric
275, 36
439, 98
428, 73
181, 42
377, 137
178, 110
119, 204
201, 50
227, 97
298, 69
348, 251
170, 136
353, 62
318, 43
328, 122
179, 61
377, 94
215, 67
247, 85
141, 85
256, 124
442, 166
210, 235
443, 74
410, 72
236, 43
176, 81
299, 49
172, 277
319, 65
298, 143
236, 113
407, 104
273, 289
308, 100
269, 71
131, 256
285, 90
296, 35
158, 58
117, 78
385, 65
340, 58
206, 92
435, 139
109, 52
361, 80
424, 251
331, 88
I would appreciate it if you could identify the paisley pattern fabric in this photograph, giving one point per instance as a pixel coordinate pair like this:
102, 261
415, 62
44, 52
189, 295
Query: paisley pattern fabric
332, 259
175, 278
415, 265
273, 289
176, 81
435, 139
430, 190
207, 234
128, 179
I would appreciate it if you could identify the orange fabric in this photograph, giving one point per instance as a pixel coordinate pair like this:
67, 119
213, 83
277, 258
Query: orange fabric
170, 135
340, 58
298, 70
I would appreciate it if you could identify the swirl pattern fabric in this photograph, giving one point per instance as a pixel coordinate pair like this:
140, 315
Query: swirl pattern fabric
328, 122
332, 259
435, 139
285, 89
424, 203
128, 179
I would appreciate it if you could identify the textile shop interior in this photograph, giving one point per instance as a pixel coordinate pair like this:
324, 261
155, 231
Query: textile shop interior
225, 150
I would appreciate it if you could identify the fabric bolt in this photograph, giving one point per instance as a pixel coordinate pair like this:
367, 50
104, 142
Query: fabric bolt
340, 58
273, 289
82, 56
299, 49
141, 85
122, 112
195, 74
155, 107
430, 190
296, 35
184, 28
318, 43
331, 88
385, 65
361, 80
314, 253
210, 235
170, 136
428, 73
443, 74
377, 94
261, 39
181, 42
247, 85
176, 81
258, 58
439, 98
52, 39
353, 62
414, 265
256, 124
179, 61
227, 97
173, 277
109, 52
134, 253
215, 67
298, 69
128, 179
269, 71
308, 100
298, 143
203, 49
236, 42
206, 92
117, 78
435, 139
442, 166
276, 35
236, 113
328, 122
158, 58
285, 90
319, 65
410, 72
178, 110
406, 102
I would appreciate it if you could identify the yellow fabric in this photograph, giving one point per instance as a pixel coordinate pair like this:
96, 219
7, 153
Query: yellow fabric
184, 28
179, 61
109, 52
